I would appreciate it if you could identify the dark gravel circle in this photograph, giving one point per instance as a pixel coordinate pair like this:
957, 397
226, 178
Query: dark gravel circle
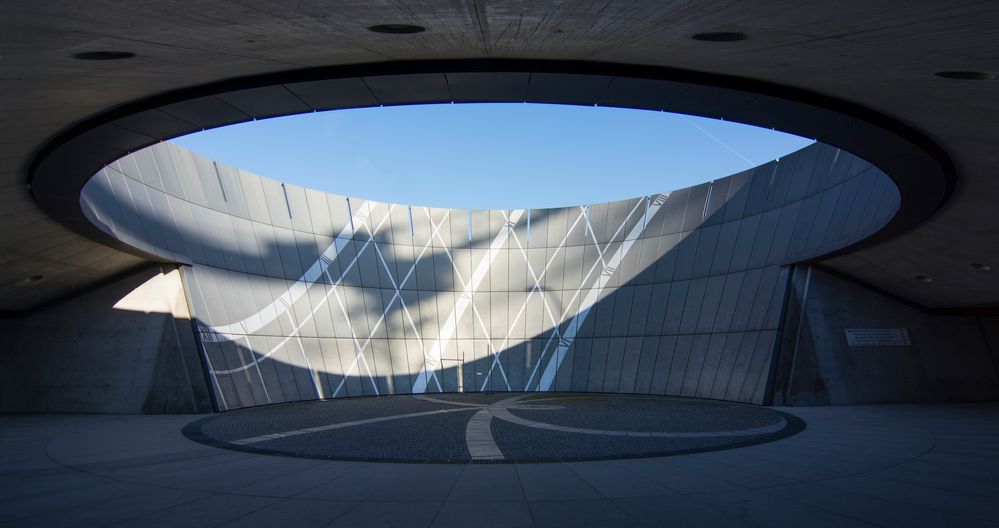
437, 433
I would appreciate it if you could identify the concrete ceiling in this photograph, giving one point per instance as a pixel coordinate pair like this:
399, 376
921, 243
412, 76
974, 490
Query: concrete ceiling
879, 55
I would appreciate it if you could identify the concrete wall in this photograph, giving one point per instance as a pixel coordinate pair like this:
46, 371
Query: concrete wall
128, 347
300, 294
990, 329
950, 357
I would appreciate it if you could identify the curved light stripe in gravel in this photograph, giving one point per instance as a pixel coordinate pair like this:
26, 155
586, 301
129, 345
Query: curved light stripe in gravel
448, 402
330, 427
479, 437
505, 415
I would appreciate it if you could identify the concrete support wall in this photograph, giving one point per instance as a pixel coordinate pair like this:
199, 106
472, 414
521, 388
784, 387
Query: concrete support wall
950, 358
127, 347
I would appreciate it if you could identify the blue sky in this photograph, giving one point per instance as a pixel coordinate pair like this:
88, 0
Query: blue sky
492, 156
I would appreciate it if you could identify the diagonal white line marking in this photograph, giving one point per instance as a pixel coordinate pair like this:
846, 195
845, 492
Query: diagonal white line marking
492, 349
325, 262
565, 342
596, 243
398, 293
269, 313
461, 304
299, 287
359, 350
396, 296
257, 367
308, 365
587, 303
264, 316
434, 232
573, 327
215, 380
537, 289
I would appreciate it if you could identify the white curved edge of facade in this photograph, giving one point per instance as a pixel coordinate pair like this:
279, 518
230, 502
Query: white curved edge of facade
300, 294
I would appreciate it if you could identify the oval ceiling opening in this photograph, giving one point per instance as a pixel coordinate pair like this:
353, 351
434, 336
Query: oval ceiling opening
493, 156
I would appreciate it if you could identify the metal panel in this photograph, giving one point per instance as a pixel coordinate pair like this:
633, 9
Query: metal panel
769, 221
709, 370
205, 112
675, 207
686, 250
639, 312
739, 371
334, 93
666, 264
267, 101
678, 365
488, 86
695, 365
696, 200
582, 349
717, 198
623, 299
598, 364
692, 306
567, 88
706, 245
408, 89
630, 364
648, 356
710, 304
648, 253
663, 364
738, 195
726, 365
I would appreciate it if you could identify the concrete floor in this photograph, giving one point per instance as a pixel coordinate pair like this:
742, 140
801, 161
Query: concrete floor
903, 465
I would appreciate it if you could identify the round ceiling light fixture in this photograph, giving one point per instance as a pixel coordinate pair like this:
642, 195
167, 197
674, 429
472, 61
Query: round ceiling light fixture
103, 55
922, 278
34, 278
397, 29
981, 267
967, 75
720, 36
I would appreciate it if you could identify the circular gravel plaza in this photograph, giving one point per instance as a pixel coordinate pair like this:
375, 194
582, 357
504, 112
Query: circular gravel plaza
494, 427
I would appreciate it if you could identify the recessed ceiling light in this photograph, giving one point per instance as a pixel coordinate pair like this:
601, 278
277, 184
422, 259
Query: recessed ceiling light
922, 278
964, 75
34, 278
397, 29
103, 55
720, 36
981, 267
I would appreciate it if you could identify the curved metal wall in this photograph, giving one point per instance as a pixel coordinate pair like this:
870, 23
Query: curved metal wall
301, 294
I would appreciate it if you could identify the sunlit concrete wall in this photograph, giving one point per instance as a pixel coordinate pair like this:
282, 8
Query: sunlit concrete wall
300, 294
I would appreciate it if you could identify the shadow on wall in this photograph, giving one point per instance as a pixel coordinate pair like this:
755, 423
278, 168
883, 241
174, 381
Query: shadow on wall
177, 234
700, 320
692, 307
122, 348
